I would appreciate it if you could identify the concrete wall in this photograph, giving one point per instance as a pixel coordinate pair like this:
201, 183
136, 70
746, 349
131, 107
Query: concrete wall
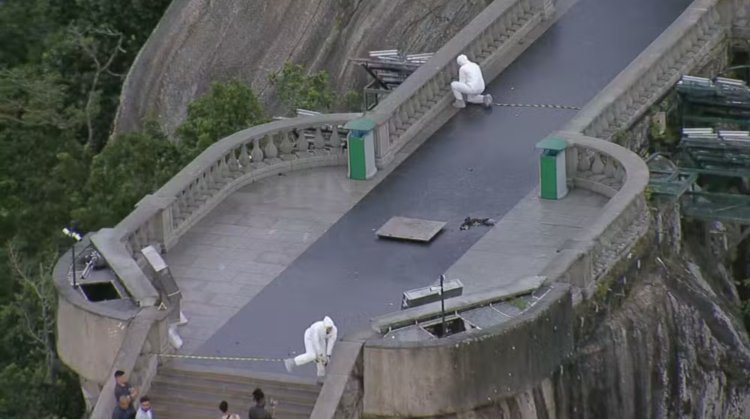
681, 48
87, 342
470, 370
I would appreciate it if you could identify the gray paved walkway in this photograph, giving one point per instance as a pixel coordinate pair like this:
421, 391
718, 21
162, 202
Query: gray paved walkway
480, 164
525, 240
250, 238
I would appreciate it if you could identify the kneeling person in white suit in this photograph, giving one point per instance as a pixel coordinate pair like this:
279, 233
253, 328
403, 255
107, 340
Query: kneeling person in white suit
319, 340
470, 83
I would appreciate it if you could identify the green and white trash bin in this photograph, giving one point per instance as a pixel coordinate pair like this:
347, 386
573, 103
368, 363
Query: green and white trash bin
552, 177
361, 148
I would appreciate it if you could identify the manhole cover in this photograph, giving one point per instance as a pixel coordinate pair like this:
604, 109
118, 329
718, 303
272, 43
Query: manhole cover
413, 229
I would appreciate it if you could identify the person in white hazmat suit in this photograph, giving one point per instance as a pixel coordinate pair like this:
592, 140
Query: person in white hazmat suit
319, 340
470, 83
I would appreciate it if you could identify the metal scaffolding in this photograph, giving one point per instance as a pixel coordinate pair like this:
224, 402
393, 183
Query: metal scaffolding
388, 69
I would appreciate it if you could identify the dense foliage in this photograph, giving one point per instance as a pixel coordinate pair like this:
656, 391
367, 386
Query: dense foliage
62, 63
225, 109
297, 89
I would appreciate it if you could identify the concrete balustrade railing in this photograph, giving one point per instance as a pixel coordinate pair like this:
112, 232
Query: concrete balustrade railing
229, 164
613, 171
677, 51
429, 379
96, 338
491, 39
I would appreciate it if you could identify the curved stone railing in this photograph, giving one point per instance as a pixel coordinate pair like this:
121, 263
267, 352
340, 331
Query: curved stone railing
491, 39
227, 165
613, 171
96, 338
533, 344
454, 374
675, 52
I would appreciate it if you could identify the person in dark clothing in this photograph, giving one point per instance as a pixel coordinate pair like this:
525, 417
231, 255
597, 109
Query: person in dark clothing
259, 410
123, 388
123, 410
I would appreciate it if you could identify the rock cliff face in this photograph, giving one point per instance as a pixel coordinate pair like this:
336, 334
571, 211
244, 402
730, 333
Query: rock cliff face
201, 41
672, 346
673, 349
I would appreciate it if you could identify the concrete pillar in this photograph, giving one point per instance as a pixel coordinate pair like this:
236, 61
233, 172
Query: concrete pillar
90, 391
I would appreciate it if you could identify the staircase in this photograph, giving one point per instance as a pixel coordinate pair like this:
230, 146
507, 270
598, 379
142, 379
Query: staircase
187, 391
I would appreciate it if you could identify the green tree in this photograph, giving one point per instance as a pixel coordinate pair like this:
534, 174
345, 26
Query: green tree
62, 64
296, 89
127, 169
37, 127
226, 108
34, 373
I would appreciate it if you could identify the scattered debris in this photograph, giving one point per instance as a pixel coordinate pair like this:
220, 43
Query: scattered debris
470, 222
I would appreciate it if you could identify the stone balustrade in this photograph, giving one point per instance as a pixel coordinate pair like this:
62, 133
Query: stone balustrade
613, 171
532, 345
96, 338
229, 164
679, 49
492, 39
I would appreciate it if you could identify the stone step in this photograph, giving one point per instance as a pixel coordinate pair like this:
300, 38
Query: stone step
184, 390
292, 395
170, 410
181, 399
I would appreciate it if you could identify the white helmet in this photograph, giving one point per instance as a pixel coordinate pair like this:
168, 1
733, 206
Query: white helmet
327, 322
461, 59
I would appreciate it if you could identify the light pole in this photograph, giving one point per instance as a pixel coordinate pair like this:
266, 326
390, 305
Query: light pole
70, 232
442, 301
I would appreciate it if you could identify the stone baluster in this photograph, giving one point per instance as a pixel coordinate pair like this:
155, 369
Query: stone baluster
256, 156
299, 145
597, 166
213, 178
411, 109
244, 158
198, 191
286, 146
485, 44
270, 151
392, 126
585, 160
318, 141
233, 162
177, 209
335, 139
501, 29
609, 166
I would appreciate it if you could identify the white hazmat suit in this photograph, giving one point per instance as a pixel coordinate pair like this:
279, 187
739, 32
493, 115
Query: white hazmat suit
319, 340
470, 83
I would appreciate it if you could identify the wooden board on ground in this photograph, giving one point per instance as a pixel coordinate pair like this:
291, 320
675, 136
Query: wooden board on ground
414, 229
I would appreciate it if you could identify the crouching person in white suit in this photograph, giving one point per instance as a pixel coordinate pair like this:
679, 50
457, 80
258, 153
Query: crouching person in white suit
470, 83
319, 340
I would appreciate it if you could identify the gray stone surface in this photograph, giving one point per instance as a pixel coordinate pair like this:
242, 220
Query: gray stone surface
406, 228
481, 163
251, 237
457, 374
201, 41
527, 238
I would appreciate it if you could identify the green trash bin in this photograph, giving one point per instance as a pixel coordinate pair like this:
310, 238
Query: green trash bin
361, 148
552, 176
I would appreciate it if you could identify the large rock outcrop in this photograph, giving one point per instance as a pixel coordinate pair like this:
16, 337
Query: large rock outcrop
201, 41
671, 346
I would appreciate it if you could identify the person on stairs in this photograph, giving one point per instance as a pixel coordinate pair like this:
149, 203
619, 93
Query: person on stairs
319, 340
259, 410
224, 407
470, 83
144, 410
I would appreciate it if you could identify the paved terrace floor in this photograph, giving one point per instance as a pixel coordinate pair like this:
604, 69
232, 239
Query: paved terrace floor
481, 163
